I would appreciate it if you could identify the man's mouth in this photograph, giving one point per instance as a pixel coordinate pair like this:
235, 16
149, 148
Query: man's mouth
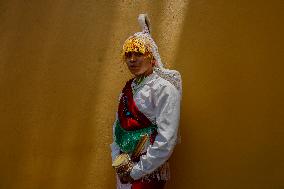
133, 67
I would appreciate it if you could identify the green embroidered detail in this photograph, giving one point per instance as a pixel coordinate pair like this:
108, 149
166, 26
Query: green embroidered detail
127, 140
139, 80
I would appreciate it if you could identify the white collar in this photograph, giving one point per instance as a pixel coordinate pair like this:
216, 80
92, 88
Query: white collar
146, 80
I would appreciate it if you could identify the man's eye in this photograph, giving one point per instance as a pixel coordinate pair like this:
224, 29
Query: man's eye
128, 54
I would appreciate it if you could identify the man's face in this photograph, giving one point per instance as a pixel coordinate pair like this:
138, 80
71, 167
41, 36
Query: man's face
138, 63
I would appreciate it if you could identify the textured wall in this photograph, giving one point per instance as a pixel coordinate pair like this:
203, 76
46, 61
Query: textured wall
61, 73
231, 58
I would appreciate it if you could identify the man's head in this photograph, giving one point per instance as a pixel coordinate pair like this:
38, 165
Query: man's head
141, 55
138, 56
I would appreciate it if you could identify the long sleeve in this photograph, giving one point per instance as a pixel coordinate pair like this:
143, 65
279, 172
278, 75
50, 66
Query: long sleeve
167, 103
115, 150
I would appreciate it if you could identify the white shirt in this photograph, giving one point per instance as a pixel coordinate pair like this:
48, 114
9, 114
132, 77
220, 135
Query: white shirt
159, 100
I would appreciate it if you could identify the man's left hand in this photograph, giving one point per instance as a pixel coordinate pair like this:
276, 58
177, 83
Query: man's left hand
126, 179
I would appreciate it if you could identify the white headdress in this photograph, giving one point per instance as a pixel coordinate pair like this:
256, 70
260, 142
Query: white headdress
172, 76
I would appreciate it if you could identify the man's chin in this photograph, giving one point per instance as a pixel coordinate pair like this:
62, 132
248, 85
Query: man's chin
135, 73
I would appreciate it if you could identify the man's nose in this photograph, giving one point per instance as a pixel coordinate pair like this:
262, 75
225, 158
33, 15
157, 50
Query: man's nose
132, 58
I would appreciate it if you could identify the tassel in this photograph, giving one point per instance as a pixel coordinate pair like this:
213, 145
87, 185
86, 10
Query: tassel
161, 173
144, 23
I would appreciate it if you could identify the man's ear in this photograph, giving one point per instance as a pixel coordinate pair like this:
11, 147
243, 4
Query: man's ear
153, 62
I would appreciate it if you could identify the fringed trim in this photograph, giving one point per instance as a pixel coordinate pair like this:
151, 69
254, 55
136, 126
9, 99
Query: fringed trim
161, 173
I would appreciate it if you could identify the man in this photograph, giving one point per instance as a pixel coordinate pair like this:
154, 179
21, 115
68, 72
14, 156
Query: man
149, 105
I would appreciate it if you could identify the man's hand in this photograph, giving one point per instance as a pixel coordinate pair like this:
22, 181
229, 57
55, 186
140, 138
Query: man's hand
126, 179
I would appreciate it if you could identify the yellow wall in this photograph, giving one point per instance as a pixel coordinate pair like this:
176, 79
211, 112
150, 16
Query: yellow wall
61, 73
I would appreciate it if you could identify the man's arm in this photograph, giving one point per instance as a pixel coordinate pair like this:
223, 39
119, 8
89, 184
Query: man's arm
115, 150
167, 119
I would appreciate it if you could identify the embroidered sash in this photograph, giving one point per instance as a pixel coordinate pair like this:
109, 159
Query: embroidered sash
132, 123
